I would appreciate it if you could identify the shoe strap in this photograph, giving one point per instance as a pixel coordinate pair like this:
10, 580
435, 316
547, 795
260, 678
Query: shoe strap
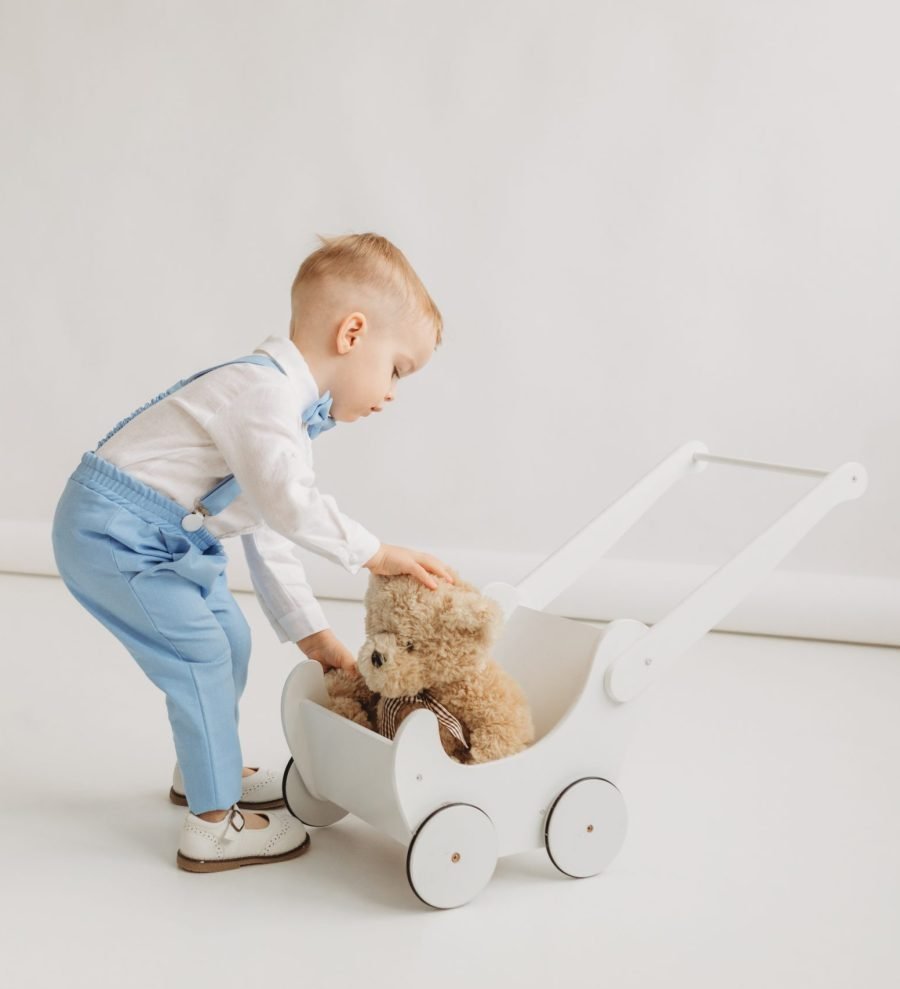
234, 824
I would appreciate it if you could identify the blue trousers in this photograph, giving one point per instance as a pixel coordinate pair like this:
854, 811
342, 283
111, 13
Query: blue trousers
162, 591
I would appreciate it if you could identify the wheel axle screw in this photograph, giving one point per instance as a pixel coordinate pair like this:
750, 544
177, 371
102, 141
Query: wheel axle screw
455, 857
590, 827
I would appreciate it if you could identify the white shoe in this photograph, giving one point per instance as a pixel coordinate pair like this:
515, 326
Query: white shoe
214, 846
259, 791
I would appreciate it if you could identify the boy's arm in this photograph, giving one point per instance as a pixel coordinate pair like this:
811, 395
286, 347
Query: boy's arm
259, 435
287, 600
279, 580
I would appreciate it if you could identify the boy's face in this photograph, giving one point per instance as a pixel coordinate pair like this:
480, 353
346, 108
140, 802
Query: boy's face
372, 362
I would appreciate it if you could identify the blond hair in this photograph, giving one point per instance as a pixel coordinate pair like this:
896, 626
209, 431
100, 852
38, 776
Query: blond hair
372, 260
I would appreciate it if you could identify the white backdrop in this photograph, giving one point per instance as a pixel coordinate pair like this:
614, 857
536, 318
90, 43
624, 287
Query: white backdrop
644, 223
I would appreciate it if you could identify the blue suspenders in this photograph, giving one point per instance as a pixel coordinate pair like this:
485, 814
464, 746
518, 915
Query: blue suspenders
224, 493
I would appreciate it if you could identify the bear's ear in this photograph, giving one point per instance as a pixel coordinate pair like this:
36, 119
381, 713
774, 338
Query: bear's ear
473, 613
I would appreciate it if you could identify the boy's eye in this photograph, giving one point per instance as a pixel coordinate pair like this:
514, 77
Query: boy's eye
396, 373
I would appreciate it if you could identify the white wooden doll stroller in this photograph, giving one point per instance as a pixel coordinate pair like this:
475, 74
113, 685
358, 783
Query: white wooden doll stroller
560, 793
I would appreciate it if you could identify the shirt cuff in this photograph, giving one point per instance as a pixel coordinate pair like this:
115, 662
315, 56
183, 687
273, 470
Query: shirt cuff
297, 625
282, 590
363, 548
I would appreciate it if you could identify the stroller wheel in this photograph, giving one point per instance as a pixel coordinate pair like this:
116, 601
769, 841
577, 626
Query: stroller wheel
585, 827
452, 856
303, 805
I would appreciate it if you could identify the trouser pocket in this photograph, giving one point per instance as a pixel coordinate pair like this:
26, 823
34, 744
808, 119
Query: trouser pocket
143, 549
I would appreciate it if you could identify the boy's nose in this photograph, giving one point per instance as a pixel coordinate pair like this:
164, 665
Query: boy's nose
377, 659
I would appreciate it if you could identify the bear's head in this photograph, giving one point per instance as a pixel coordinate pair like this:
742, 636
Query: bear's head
419, 639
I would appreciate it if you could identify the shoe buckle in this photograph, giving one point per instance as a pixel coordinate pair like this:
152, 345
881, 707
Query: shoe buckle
226, 834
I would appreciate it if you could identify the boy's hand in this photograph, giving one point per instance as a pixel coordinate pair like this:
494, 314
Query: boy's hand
392, 560
325, 648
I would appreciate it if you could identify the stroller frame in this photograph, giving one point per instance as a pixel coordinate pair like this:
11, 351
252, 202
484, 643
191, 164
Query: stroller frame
560, 793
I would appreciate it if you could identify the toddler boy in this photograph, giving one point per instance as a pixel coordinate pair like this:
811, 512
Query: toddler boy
226, 452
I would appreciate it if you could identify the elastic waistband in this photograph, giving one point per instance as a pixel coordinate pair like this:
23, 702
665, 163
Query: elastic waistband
130, 492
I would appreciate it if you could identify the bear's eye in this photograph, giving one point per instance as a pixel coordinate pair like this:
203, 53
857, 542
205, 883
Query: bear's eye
409, 647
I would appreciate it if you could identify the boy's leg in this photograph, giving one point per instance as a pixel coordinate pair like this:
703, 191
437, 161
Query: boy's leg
148, 585
222, 604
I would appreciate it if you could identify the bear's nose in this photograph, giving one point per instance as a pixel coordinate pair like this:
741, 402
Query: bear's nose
377, 659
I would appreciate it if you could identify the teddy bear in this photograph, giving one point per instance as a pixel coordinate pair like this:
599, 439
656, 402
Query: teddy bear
431, 648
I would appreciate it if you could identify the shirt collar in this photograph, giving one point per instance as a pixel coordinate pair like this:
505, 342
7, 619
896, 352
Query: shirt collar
294, 363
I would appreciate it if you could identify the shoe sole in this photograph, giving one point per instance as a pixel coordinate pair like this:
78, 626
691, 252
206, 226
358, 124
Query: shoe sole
181, 800
223, 865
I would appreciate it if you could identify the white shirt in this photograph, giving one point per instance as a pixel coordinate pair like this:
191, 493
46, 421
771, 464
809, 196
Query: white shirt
244, 419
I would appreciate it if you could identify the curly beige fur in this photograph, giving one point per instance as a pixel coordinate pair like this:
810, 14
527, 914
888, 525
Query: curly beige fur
439, 641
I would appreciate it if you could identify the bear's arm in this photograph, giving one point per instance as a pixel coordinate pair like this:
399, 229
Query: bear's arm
351, 698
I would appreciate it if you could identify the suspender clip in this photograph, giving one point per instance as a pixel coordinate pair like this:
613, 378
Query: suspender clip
195, 521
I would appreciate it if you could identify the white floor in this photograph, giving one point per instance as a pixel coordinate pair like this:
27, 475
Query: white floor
763, 846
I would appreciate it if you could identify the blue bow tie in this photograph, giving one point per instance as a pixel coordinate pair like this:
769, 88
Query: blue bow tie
316, 416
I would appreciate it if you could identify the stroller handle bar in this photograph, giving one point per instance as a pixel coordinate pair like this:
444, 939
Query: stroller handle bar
781, 468
688, 622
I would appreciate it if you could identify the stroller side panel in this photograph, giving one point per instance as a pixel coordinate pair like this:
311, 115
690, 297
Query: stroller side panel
339, 761
352, 766
550, 658
517, 792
